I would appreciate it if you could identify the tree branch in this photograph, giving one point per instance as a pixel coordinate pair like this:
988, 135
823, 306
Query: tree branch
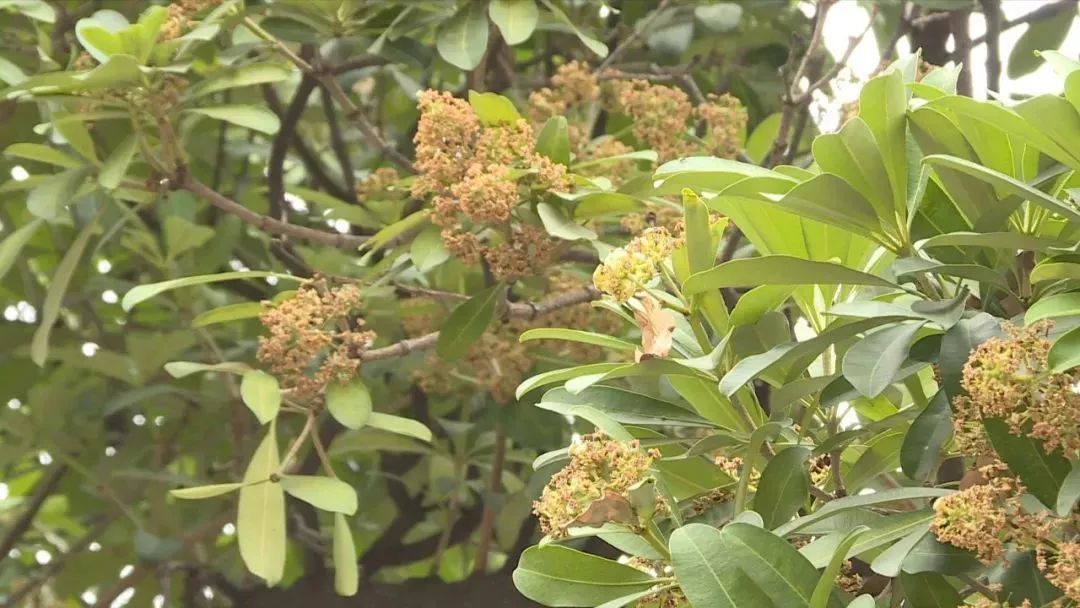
487, 519
275, 164
42, 491
625, 45
1043, 12
42, 576
267, 224
992, 12
337, 142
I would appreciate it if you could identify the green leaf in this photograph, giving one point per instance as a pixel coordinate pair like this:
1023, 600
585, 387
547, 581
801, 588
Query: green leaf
1008, 241
883, 105
349, 404
554, 575
54, 297
260, 521
180, 369
463, 38
624, 406
794, 352
42, 154
399, 425
1041, 473
863, 601
182, 236
956, 347
761, 139
929, 590
825, 584
562, 375
880, 531
888, 562
559, 226
553, 140
784, 487
1053, 271
593, 44
1065, 353
427, 250
843, 505
55, 192
99, 42
240, 76
753, 304
575, 335
724, 17
516, 19
468, 322
321, 492
1069, 493
141, 293
1058, 305
778, 270
115, 167
206, 491
261, 393
928, 433
13, 244
1004, 182
346, 573
229, 312
387, 234
931, 555
829, 199
493, 109
708, 562
873, 362
705, 397
1048, 33
251, 117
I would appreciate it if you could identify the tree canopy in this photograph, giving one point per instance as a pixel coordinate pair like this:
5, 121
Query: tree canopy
509, 303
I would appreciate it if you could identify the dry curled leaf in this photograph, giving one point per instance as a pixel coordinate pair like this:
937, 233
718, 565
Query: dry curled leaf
657, 326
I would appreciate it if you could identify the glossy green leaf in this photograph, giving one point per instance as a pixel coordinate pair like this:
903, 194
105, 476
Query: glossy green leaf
346, 572
115, 167
463, 38
141, 293
576, 335
349, 404
1069, 493
1065, 352
708, 573
928, 434
784, 487
562, 375
888, 562
553, 140
1041, 473
256, 118
54, 297
560, 576
516, 19
262, 395
1058, 305
779, 270
559, 226
883, 106
12, 245
873, 362
229, 312
399, 425
42, 154
1055, 271
1008, 241
240, 76
846, 504
929, 590
468, 322
594, 45
211, 491
624, 406
827, 582
49, 198
427, 250
323, 493
180, 369
260, 521
493, 109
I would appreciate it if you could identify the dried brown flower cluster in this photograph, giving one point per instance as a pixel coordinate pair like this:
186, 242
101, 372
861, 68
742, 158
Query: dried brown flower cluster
477, 177
382, 184
668, 598
988, 518
1008, 378
572, 86
179, 19
595, 487
315, 338
848, 579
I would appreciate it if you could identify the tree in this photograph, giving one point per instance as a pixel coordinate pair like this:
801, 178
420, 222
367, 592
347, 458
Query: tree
510, 252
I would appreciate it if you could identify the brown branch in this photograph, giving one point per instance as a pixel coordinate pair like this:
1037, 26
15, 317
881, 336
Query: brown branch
43, 576
515, 310
265, 223
487, 519
958, 23
42, 491
337, 142
1045, 11
311, 162
992, 12
354, 114
640, 29
275, 164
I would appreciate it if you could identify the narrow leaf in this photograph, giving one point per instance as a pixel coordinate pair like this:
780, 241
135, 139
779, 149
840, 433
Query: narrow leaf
261, 393
321, 492
54, 298
260, 522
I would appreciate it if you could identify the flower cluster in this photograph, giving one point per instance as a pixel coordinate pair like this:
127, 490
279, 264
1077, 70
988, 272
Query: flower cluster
477, 176
314, 337
600, 469
382, 184
178, 21
1008, 378
668, 598
626, 270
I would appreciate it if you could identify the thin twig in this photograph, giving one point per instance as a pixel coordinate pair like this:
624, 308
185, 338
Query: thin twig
297, 443
42, 491
265, 223
275, 163
337, 142
487, 520
625, 45
58, 562
992, 13
1045, 11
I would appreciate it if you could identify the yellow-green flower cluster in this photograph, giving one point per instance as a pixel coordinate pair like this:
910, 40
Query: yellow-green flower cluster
626, 270
600, 469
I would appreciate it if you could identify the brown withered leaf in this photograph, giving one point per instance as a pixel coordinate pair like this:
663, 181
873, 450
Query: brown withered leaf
613, 508
657, 326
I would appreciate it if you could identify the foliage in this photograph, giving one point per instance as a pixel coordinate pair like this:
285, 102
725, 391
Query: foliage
366, 370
